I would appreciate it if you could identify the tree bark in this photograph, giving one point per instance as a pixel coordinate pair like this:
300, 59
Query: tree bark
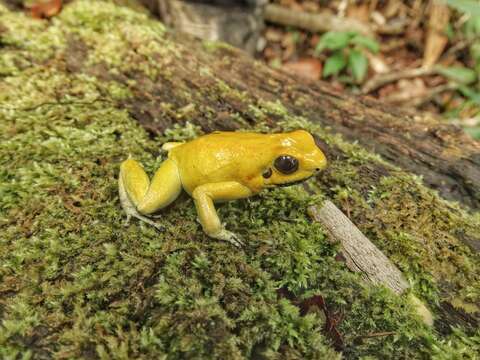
446, 158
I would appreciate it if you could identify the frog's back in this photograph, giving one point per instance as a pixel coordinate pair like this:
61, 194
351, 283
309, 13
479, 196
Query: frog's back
221, 156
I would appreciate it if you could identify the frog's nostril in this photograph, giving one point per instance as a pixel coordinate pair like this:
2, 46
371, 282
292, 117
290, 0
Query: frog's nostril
317, 169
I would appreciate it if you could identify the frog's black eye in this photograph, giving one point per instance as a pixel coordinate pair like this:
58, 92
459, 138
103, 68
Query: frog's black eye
286, 164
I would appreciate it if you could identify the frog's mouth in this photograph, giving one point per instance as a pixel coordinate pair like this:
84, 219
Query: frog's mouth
294, 182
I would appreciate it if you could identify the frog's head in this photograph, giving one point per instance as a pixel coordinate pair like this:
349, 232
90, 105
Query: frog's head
295, 158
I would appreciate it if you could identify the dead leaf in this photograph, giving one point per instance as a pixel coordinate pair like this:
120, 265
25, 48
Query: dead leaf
273, 35
436, 39
378, 18
309, 68
45, 9
392, 8
332, 320
408, 89
361, 12
377, 63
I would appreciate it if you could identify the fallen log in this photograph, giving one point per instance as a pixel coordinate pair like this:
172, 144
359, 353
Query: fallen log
100, 82
448, 160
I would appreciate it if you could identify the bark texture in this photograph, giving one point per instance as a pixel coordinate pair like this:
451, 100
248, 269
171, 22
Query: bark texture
361, 255
446, 158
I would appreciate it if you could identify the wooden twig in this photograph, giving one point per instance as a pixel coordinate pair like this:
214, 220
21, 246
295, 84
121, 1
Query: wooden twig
417, 100
383, 79
362, 256
360, 253
319, 22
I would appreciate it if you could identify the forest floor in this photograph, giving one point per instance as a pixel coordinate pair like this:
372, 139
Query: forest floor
416, 54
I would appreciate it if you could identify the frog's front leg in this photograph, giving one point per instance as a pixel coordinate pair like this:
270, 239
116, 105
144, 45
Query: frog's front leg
141, 197
204, 197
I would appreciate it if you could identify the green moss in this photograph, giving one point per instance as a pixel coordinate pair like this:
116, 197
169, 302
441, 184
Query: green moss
213, 46
75, 282
410, 223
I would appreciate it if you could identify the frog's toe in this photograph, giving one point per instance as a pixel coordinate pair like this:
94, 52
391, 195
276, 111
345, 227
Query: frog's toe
236, 240
228, 236
127, 220
131, 210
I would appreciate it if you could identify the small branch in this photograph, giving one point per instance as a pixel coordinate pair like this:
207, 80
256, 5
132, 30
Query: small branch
361, 254
383, 79
320, 22
459, 45
418, 100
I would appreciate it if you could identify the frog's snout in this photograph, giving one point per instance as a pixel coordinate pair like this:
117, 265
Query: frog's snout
318, 161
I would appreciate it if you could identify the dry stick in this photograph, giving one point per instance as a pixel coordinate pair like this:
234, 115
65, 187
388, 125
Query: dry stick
429, 94
322, 22
361, 254
383, 79
319, 22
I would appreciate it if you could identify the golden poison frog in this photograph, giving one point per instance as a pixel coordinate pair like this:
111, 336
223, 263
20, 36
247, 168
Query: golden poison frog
217, 167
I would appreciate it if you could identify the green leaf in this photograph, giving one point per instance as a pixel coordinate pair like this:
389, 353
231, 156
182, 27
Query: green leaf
459, 74
358, 65
472, 26
366, 42
471, 7
334, 64
475, 51
473, 132
449, 32
333, 40
470, 93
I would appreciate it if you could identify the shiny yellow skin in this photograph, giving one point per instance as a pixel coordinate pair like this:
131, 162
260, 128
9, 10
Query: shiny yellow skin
220, 166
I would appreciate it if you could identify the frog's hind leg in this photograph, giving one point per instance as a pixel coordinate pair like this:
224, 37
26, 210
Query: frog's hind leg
139, 197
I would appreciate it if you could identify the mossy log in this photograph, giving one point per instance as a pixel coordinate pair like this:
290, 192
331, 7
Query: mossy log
448, 160
99, 82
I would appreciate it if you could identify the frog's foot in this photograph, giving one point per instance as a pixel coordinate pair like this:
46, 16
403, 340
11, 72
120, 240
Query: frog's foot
131, 210
228, 236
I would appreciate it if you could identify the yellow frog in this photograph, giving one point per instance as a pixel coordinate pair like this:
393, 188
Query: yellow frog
217, 167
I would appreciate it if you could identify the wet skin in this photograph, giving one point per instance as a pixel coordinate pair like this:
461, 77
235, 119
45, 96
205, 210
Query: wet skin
217, 167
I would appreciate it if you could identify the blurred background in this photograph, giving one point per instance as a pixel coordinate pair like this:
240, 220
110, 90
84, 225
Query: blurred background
423, 55
419, 54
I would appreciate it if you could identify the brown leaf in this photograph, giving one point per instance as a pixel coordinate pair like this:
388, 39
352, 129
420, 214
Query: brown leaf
332, 320
360, 12
436, 39
407, 90
377, 63
273, 35
309, 68
47, 9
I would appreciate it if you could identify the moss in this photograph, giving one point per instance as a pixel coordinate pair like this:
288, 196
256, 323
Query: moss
410, 223
213, 46
76, 283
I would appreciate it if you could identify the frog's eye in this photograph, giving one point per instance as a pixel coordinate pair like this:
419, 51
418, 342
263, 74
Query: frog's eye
286, 164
